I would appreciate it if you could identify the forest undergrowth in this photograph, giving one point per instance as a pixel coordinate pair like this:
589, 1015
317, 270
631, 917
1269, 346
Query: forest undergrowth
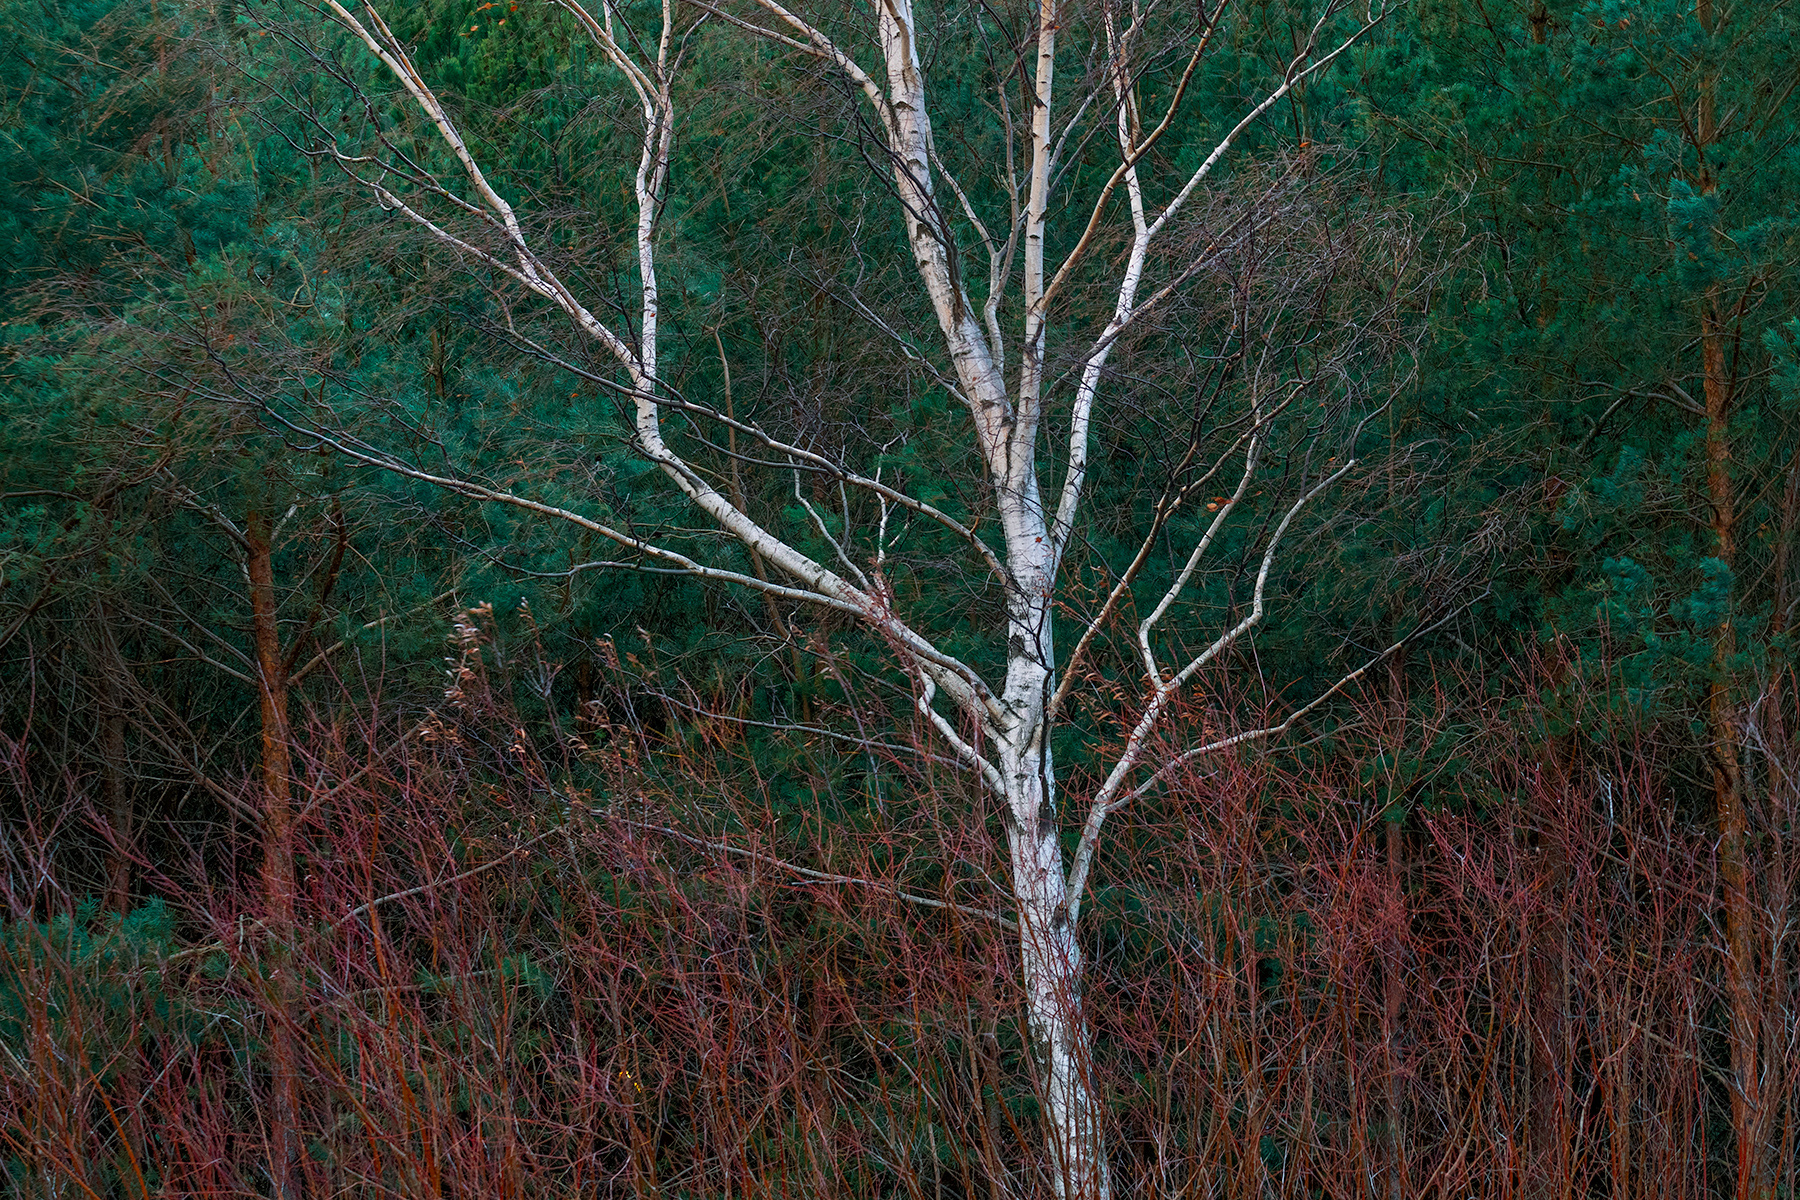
1450, 958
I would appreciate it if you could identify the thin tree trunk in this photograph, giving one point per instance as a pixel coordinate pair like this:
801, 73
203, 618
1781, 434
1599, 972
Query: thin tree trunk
1392, 983
1540, 22
1723, 717
120, 811
1781, 808
115, 783
278, 860
121, 819
1049, 951
1725, 735
1547, 969
1050, 956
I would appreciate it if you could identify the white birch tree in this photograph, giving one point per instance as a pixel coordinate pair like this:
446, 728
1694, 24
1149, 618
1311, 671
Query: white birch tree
1031, 418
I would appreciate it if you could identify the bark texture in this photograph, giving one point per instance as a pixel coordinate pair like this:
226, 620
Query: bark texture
285, 1148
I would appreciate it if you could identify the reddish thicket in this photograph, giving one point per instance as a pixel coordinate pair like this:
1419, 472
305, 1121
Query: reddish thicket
1513, 992
1515, 996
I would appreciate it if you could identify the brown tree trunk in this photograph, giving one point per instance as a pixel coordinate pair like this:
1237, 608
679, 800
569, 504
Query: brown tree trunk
1724, 719
120, 813
1393, 982
1782, 808
278, 861
1545, 1006
1726, 737
114, 781
121, 820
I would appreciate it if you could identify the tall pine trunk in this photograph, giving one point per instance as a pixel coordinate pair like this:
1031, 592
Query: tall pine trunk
1724, 719
1782, 811
1726, 747
278, 861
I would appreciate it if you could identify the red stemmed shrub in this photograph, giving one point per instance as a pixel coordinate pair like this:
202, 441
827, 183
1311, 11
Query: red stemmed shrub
1426, 960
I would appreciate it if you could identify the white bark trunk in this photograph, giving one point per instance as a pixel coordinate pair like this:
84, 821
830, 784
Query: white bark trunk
1051, 965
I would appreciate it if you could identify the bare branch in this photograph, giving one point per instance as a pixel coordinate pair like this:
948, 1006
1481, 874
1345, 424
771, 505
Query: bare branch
1101, 809
808, 873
